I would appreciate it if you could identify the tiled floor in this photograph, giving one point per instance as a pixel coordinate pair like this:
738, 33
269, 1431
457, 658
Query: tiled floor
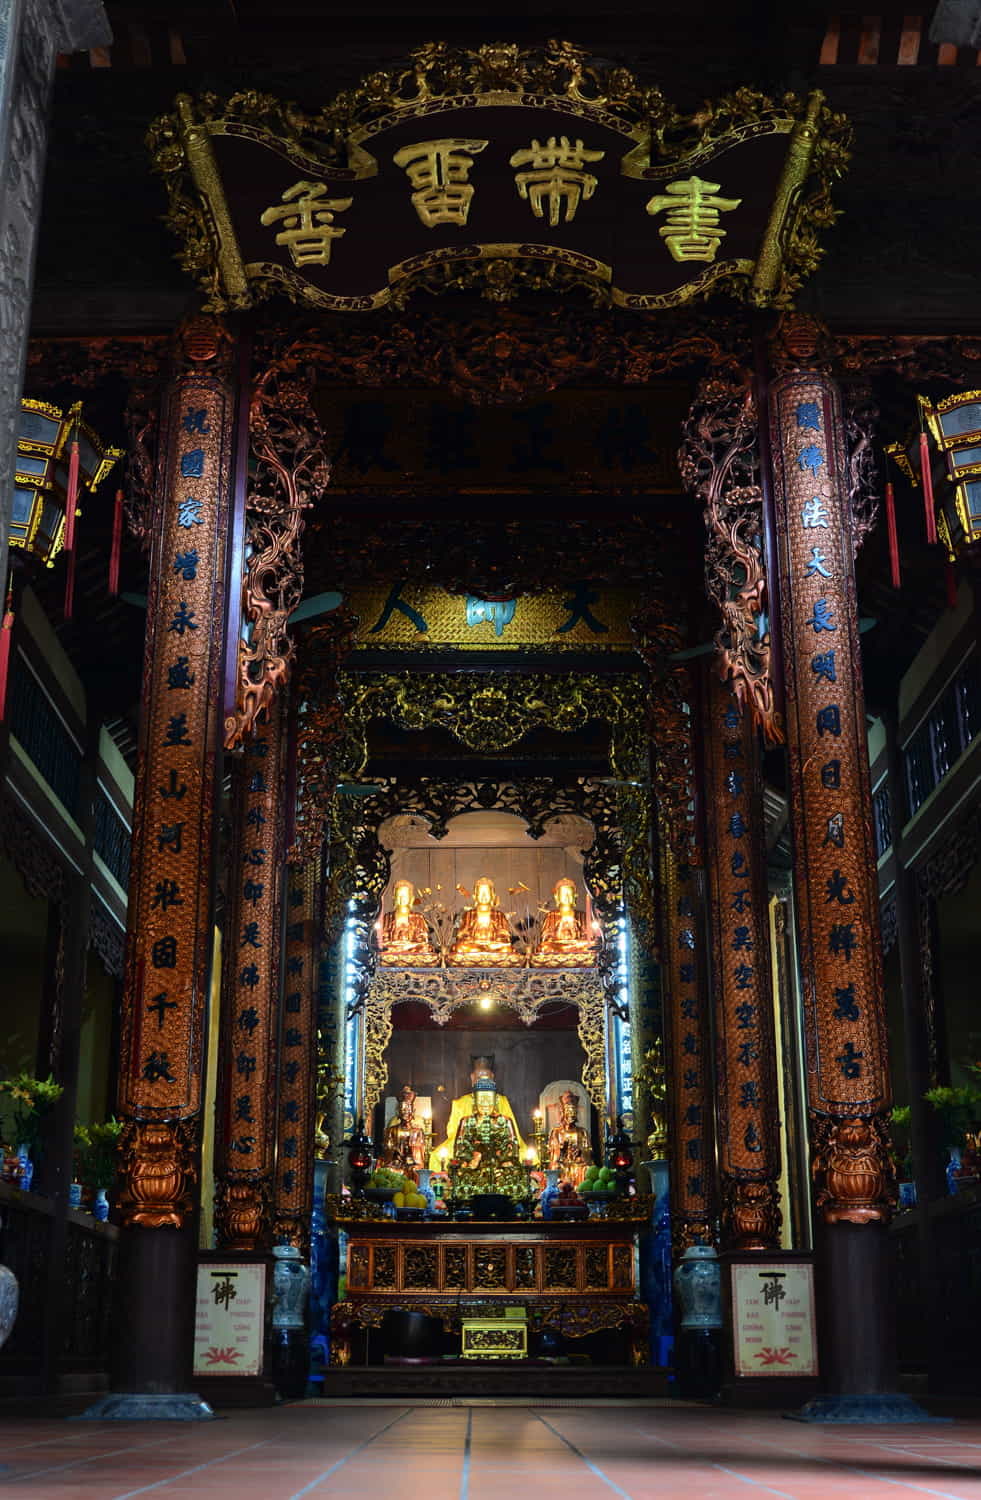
482, 1452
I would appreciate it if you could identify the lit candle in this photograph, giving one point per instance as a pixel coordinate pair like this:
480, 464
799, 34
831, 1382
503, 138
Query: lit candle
536, 1115
443, 1154
531, 1157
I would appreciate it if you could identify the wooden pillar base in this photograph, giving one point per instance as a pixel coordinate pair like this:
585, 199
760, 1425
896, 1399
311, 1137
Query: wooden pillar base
153, 1336
857, 1341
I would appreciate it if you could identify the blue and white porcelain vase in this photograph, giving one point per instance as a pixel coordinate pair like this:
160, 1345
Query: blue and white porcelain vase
74, 1195
425, 1189
26, 1167
9, 1298
953, 1167
550, 1193
100, 1205
290, 1282
698, 1286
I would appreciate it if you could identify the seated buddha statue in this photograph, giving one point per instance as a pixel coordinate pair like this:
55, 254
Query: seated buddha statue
404, 1146
405, 935
480, 1068
483, 935
564, 938
488, 1150
569, 1151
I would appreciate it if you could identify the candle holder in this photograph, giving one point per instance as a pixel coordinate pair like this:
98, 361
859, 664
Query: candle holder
538, 1130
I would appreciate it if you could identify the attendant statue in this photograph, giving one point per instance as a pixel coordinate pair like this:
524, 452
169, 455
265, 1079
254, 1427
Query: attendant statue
480, 1068
483, 935
404, 1146
405, 935
488, 1149
564, 938
569, 1151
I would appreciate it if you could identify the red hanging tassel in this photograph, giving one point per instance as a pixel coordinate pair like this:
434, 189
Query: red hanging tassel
927, 478
117, 543
71, 504
950, 578
6, 636
893, 537
71, 498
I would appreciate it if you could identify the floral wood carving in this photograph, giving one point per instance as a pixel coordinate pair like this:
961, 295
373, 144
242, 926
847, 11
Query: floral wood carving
659, 637
719, 462
291, 471
854, 1179
157, 1170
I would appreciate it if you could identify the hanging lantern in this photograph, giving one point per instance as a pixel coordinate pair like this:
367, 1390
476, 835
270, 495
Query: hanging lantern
46, 448
954, 424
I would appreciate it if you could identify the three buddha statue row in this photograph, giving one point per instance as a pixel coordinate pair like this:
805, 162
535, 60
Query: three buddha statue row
483, 935
483, 1151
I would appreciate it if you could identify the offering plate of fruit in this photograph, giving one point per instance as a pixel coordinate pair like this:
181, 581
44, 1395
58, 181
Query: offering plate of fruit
567, 1204
383, 1184
599, 1184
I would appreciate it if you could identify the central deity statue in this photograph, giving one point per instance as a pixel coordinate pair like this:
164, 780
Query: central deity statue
483, 935
488, 1149
480, 1068
405, 935
564, 938
404, 1147
569, 1151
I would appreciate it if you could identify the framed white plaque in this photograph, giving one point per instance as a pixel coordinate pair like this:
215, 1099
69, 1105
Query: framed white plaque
773, 1326
231, 1306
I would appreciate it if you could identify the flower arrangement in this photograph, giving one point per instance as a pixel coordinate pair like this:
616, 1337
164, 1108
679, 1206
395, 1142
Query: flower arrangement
29, 1100
95, 1150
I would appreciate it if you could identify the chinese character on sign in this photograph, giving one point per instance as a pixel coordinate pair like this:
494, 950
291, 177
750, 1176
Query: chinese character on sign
822, 618
192, 463
691, 230
846, 1006
816, 562
307, 219
773, 1289
810, 458
178, 675
849, 1061
190, 512
835, 831
813, 514
438, 171
223, 1289
498, 612
806, 415
556, 174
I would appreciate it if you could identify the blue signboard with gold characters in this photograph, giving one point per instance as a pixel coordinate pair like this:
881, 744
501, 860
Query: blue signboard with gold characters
499, 168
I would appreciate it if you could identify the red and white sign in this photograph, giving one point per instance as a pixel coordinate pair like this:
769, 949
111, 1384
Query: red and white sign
773, 1325
230, 1317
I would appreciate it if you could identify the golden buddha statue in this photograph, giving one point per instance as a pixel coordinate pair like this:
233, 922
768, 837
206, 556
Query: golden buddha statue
405, 935
404, 1146
481, 1068
564, 938
483, 935
569, 1150
488, 1149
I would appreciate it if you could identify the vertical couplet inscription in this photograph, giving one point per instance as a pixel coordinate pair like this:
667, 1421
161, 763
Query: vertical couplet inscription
298, 1058
251, 986
749, 1149
690, 1072
837, 897
169, 934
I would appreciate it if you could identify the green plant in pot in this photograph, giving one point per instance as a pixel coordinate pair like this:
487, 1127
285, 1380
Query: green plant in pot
959, 1107
96, 1153
902, 1155
27, 1101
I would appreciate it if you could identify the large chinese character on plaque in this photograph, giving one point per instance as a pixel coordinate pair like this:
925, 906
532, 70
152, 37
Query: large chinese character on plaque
500, 167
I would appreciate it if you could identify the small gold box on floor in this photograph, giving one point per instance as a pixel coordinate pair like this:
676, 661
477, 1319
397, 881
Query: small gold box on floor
494, 1338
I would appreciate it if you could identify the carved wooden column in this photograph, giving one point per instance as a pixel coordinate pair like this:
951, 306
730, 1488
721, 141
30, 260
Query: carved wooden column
251, 988
836, 890
169, 933
689, 1055
296, 1116
746, 1063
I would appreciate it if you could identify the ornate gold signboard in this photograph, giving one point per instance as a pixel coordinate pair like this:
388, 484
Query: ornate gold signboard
499, 167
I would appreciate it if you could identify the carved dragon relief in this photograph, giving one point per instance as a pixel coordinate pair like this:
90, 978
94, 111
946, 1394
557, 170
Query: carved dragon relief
291, 468
719, 462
